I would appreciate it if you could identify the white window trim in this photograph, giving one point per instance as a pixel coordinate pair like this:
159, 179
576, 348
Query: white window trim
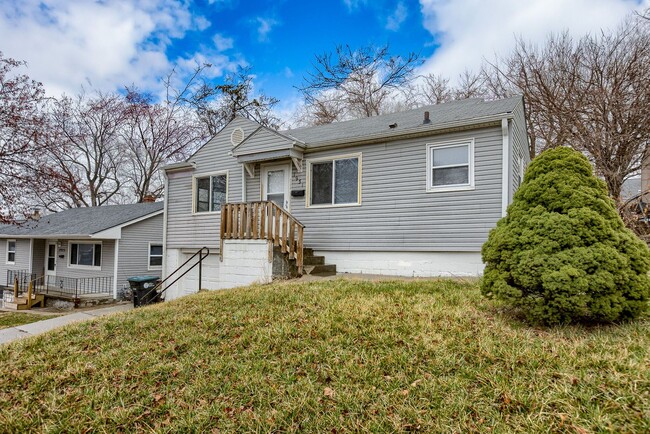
7, 261
450, 144
85, 267
194, 192
162, 256
308, 203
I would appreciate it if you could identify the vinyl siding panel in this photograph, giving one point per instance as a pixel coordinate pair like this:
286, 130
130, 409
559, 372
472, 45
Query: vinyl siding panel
520, 152
63, 268
396, 213
193, 231
133, 255
263, 140
22, 258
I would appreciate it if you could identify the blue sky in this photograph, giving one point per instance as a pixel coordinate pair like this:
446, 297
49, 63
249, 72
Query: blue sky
112, 43
280, 39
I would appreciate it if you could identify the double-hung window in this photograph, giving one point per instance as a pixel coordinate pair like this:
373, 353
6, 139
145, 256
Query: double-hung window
450, 166
155, 256
335, 181
85, 255
210, 192
11, 251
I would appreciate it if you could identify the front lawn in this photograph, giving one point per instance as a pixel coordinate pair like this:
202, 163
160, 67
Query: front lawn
328, 356
13, 319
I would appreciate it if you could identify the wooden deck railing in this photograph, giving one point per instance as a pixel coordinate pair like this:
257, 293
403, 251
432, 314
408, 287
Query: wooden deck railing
263, 221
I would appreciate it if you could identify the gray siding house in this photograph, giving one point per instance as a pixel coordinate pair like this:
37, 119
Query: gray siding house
413, 193
85, 250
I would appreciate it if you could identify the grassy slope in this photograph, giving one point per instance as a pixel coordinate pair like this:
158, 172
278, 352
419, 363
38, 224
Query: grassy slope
12, 319
329, 355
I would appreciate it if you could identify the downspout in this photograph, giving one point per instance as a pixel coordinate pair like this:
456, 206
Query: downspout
505, 165
243, 183
164, 258
115, 267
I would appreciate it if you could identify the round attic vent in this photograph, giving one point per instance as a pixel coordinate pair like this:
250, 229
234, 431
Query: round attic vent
237, 136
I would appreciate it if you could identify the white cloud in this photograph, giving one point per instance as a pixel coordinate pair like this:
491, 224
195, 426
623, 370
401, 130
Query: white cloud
470, 30
109, 43
264, 27
395, 20
354, 4
222, 43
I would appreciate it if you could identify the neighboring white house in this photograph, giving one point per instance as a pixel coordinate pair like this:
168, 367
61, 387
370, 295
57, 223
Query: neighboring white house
413, 193
84, 251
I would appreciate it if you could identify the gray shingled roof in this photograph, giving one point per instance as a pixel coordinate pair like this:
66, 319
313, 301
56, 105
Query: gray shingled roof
82, 221
461, 111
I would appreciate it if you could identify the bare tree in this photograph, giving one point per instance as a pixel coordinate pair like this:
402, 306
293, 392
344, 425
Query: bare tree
592, 94
470, 85
22, 103
361, 81
434, 89
86, 150
154, 135
216, 105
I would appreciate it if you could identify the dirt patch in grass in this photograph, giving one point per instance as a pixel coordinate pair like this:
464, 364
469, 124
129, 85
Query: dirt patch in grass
12, 319
333, 356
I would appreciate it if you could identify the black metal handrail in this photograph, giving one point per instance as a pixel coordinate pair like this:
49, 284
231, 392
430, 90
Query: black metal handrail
60, 285
147, 298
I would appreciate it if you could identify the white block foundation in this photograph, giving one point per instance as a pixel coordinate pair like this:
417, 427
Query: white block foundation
244, 262
410, 264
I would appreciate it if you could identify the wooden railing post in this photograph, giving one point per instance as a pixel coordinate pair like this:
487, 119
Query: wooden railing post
292, 227
263, 221
299, 257
15, 287
276, 235
29, 295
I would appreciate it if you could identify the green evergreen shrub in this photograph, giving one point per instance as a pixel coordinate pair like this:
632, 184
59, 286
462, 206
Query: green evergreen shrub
562, 254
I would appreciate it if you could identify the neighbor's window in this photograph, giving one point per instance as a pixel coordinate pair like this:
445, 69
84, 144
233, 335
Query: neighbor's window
210, 192
11, 251
335, 181
450, 166
155, 255
86, 254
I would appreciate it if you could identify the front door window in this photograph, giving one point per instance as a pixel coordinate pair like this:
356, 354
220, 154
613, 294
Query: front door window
276, 185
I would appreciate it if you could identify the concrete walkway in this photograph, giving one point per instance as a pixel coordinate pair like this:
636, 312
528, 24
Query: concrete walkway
36, 328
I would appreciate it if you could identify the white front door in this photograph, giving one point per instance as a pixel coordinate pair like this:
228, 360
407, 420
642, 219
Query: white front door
275, 184
50, 260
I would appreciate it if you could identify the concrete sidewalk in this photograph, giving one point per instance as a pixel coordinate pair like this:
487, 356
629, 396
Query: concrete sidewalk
23, 331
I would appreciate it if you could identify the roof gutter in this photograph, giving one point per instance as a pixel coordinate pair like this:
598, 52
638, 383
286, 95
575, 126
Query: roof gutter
179, 167
474, 123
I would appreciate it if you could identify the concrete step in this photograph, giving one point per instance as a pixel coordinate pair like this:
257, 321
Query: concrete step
314, 260
320, 270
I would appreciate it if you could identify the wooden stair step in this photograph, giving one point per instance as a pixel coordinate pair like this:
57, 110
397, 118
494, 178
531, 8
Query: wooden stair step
306, 251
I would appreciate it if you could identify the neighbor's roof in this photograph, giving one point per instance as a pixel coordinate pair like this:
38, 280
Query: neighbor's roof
82, 221
457, 113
